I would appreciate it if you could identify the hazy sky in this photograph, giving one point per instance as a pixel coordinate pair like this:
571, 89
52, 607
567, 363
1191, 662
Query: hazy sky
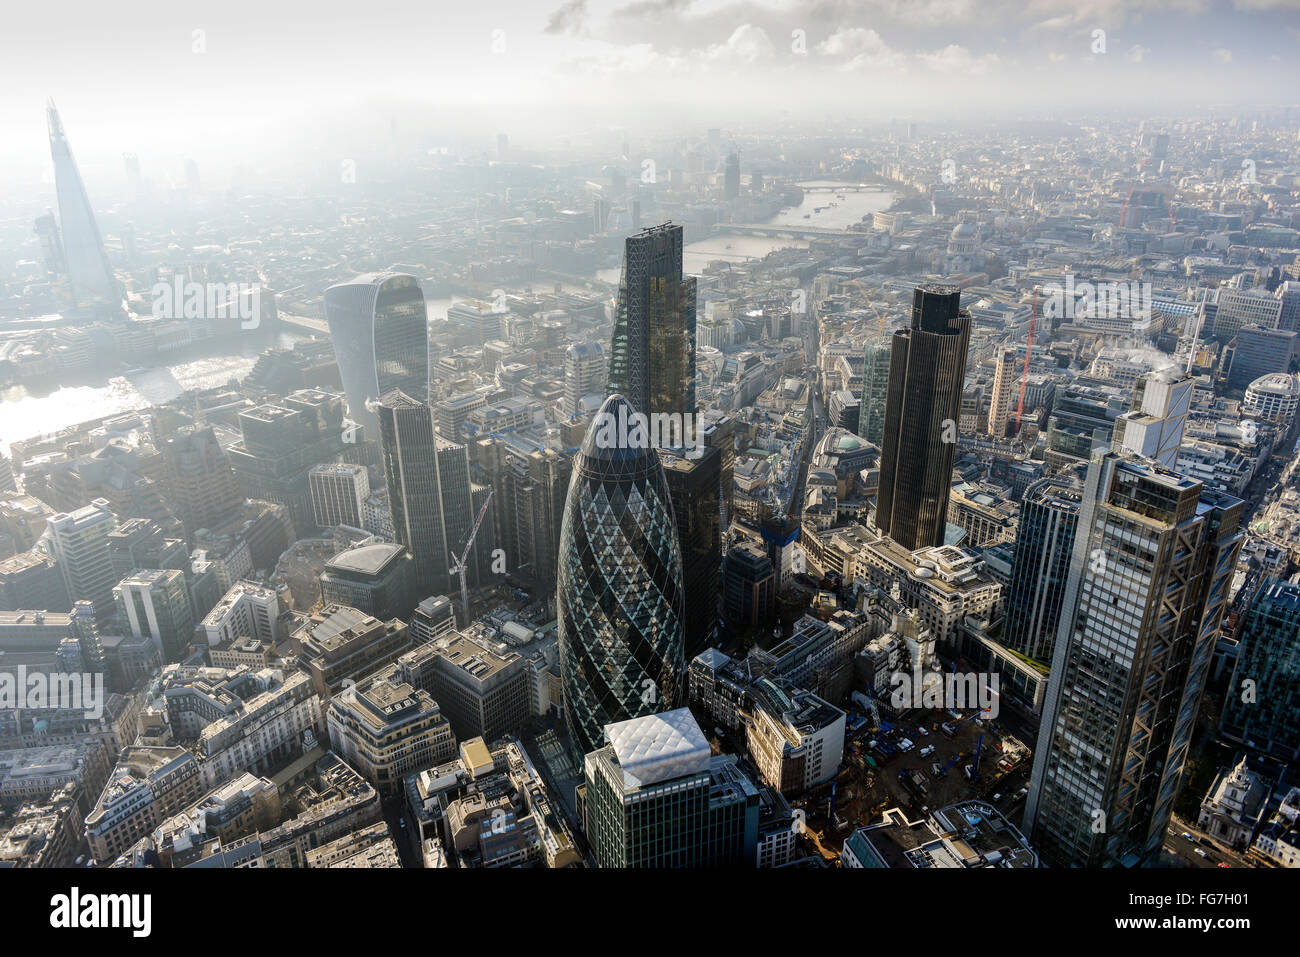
138, 78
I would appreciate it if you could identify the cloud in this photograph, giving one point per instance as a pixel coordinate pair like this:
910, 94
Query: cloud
746, 44
1137, 53
955, 58
569, 18
852, 41
1222, 56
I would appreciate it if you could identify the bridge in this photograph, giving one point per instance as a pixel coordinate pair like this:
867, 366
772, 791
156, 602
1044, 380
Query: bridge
845, 188
781, 230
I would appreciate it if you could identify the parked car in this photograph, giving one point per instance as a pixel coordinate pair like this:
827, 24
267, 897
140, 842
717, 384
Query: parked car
1200, 852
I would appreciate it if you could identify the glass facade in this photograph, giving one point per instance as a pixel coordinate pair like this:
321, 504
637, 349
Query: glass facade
1266, 715
619, 593
927, 369
1044, 545
1149, 579
379, 329
652, 355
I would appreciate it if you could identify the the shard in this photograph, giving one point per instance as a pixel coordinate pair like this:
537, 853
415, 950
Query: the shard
89, 274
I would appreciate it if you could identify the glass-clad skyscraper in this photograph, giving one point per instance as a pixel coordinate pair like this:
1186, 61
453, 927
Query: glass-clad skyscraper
875, 390
620, 584
927, 368
655, 797
380, 333
652, 355
83, 248
1262, 710
1154, 556
1049, 516
432, 498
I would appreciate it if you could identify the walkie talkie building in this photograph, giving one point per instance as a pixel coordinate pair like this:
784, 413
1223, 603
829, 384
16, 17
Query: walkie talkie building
380, 332
620, 584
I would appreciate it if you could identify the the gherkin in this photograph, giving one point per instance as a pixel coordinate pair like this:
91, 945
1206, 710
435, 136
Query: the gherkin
620, 582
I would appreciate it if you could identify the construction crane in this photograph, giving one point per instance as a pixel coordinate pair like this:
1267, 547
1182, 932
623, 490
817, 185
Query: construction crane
458, 564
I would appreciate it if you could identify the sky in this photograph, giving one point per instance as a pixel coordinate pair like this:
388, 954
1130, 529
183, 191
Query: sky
235, 81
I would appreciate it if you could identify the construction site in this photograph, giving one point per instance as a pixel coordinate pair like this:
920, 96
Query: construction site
919, 761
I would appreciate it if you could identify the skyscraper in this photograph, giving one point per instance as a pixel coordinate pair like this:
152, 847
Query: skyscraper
655, 797
731, 177
380, 332
155, 604
432, 499
78, 541
652, 356
1049, 517
1153, 560
1153, 427
199, 478
620, 586
875, 391
693, 486
1002, 403
1265, 716
88, 270
927, 369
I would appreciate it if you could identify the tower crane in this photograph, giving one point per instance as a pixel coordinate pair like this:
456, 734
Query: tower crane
458, 564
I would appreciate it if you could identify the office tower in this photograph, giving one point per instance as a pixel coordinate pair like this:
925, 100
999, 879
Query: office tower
1262, 710
1154, 556
749, 587
1153, 427
731, 177
693, 487
1289, 315
155, 604
1082, 420
377, 578
503, 145
1273, 398
387, 731
199, 480
585, 373
433, 502
1245, 307
1049, 516
339, 645
927, 369
481, 684
433, 617
875, 390
476, 322
620, 587
719, 431
133, 178
380, 332
140, 543
247, 609
47, 231
83, 627
655, 797
78, 543
652, 356
88, 270
32, 579
280, 444
531, 489
1002, 403
1259, 352
338, 494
